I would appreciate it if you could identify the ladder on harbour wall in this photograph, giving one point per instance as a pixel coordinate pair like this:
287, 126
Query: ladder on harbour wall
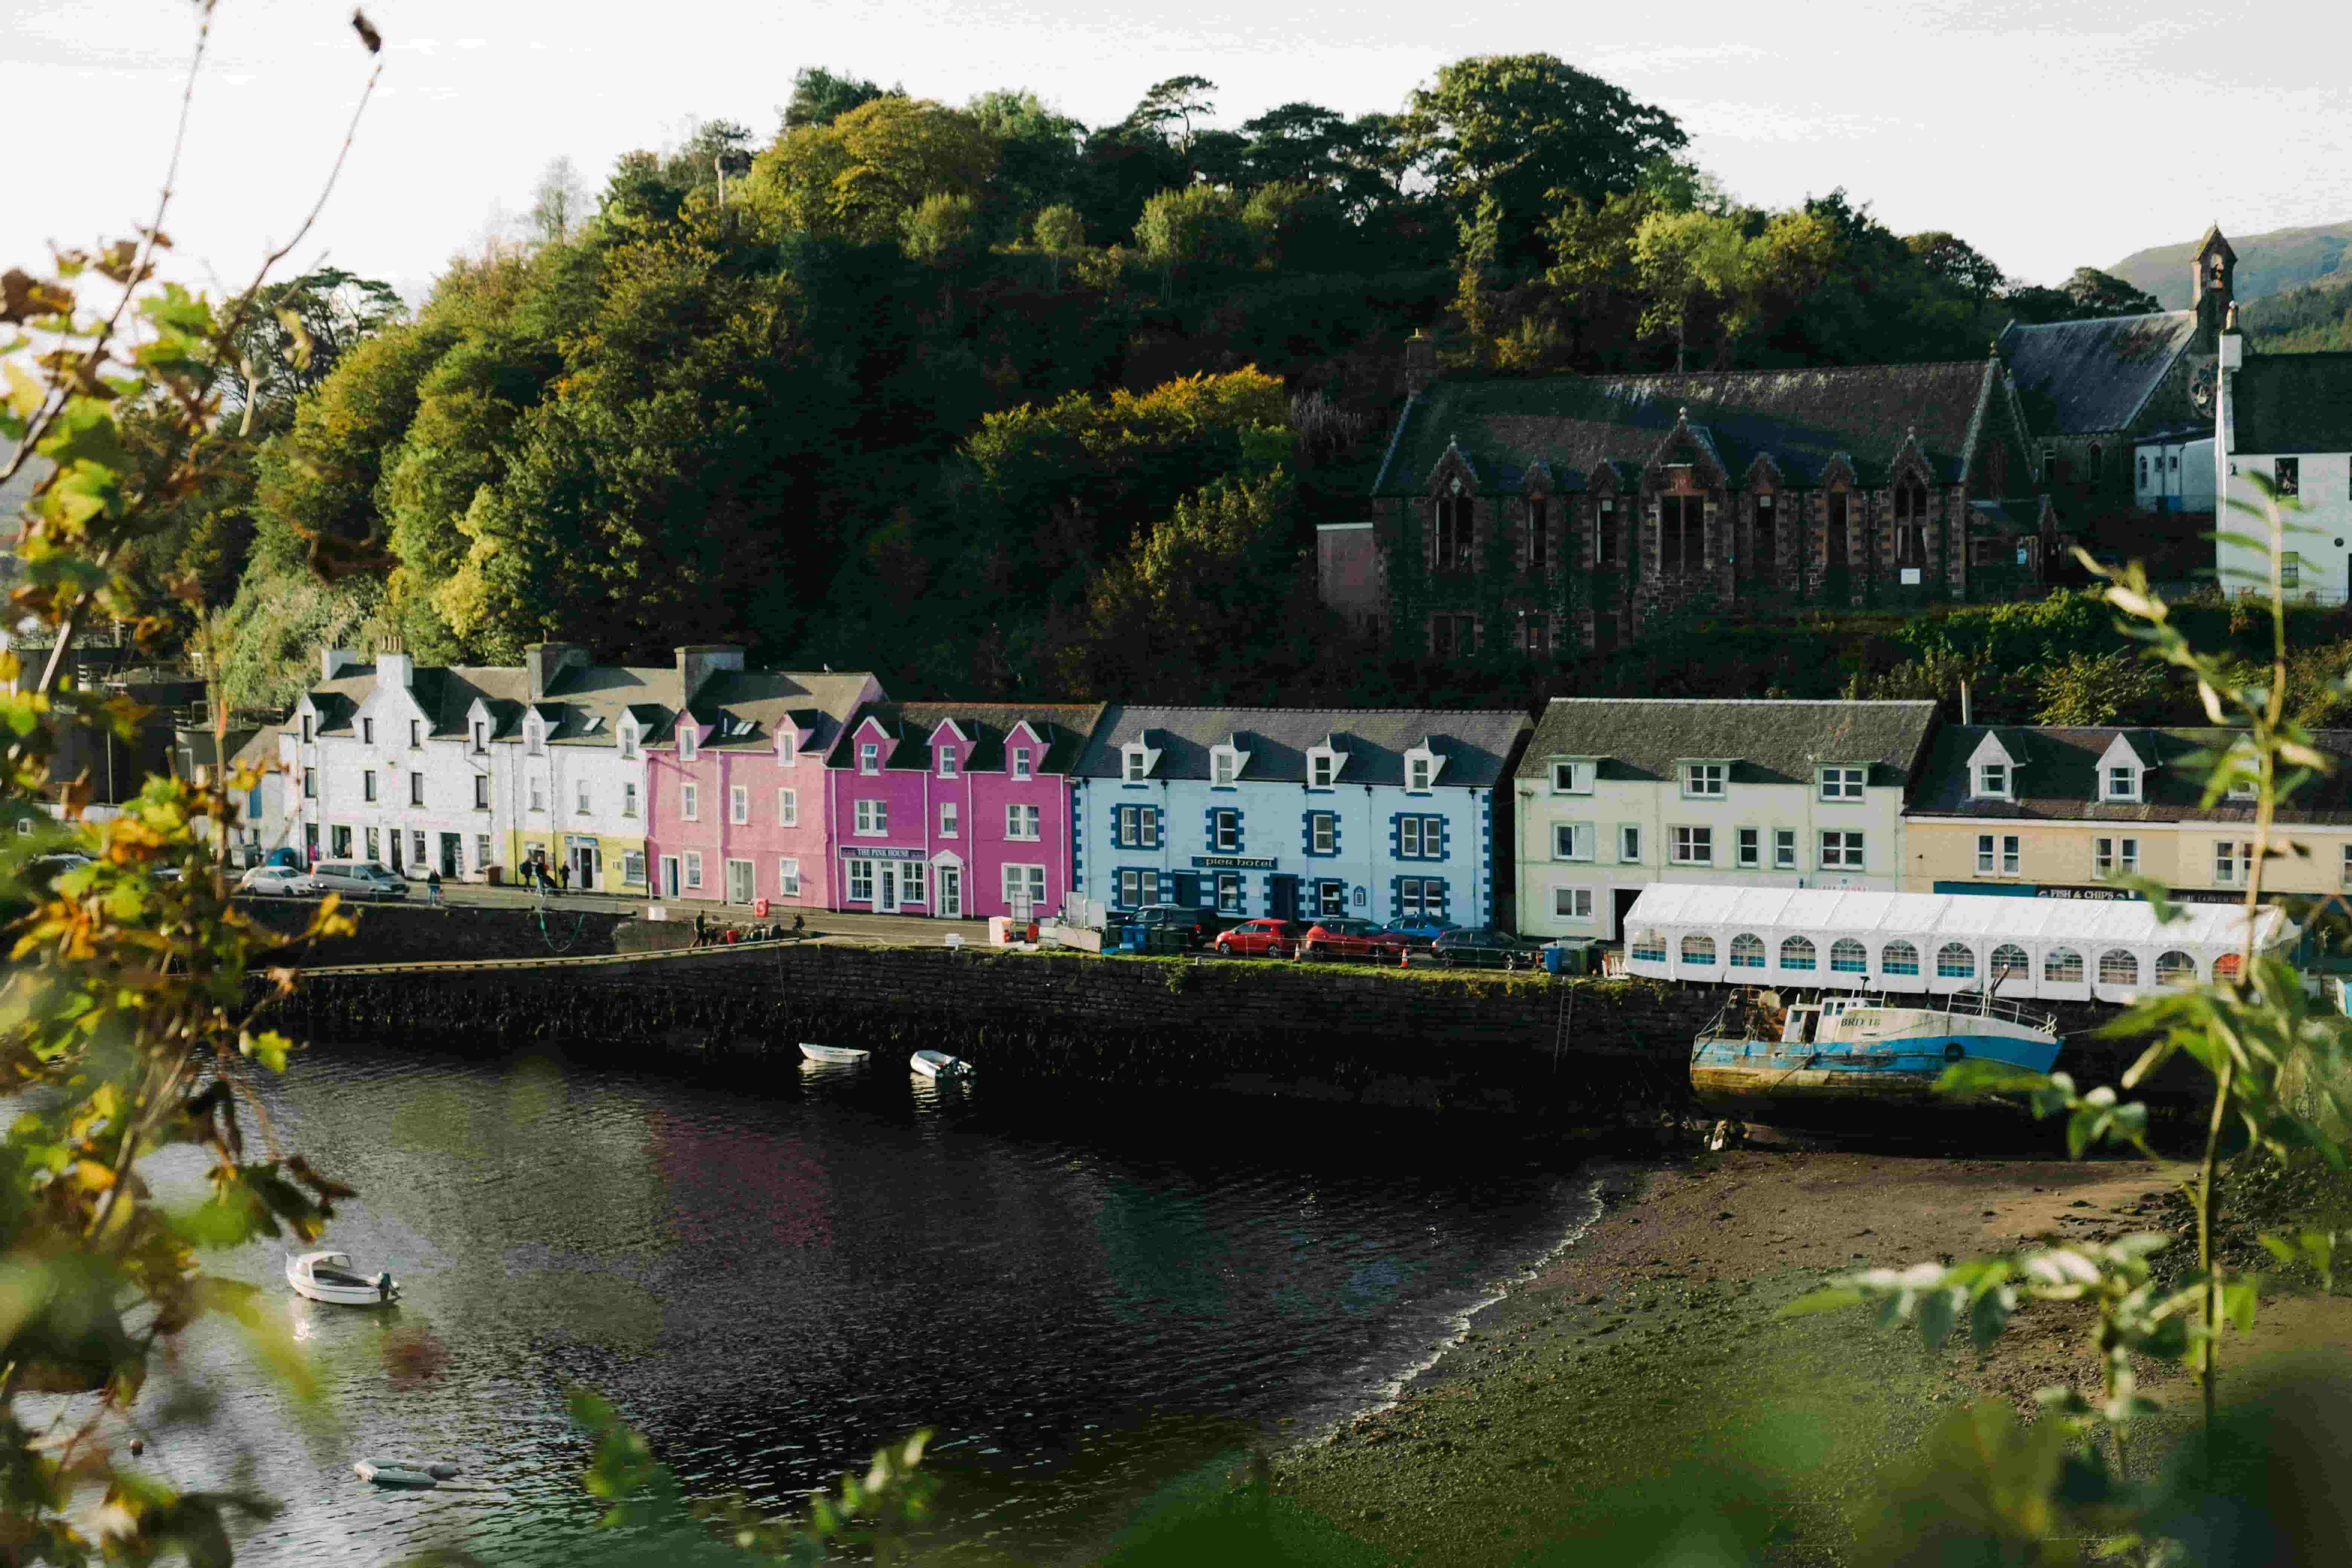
1567, 1020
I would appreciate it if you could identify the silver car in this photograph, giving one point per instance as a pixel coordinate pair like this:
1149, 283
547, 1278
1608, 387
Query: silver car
276, 881
356, 879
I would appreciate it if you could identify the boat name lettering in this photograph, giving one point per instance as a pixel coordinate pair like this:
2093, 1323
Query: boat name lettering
1234, 862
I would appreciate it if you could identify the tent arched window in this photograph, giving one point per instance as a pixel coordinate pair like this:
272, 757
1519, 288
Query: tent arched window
2175, 968
1797, 953
2010, 963
1649, 947
2063, 966
1848, 956
1747, 951
2226, 966
2117, 967
1698, 949
1899, 958
1954, 961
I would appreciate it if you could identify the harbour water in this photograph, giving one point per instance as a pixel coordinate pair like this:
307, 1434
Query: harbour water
1080, 1299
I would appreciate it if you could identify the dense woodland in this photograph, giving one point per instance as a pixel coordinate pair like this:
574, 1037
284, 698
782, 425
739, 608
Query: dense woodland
998, 404
2303, 320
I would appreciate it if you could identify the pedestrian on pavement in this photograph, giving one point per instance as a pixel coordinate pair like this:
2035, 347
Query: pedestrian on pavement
433, 887
701, 928
563, 878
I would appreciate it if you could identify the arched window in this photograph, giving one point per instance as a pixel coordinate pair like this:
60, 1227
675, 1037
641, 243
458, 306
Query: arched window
1954, 961
1848, 956
2117, 967
2226, 966
2175, 969
1910, 523
1452, 552
1797, 953
2063, 966
1649, 948
1747, 951
2010, 963
1698, 949
1899, 958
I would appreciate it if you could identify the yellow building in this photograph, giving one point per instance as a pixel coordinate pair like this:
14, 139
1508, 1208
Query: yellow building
2063, 812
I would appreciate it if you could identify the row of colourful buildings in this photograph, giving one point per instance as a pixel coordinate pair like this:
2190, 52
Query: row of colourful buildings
704, 781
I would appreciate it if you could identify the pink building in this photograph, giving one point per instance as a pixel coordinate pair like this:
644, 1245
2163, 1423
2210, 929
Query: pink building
736, 787
954, 809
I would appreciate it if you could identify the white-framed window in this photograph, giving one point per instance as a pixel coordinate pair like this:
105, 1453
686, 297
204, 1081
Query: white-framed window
1135, 889
1225, 830
1420, 838
1629, 845
1021, 821
688, 740
1571, 778
1322, 767
539, 795
367, 732
694, 867
534, 737
689, 802
947, 762
788, 746
788, 808
1750, 848
416, 734
2122, 784
633, 867
2344, 877
1133, 764
1841, 850
1418, 773
1571, 841
788, 877
1704, 780
1224, 765
1020, 762
1984, 855
2013, 860
580, 796
739, 804
628, 744
1841, 784
628, 799
481, 791
1571, 903
374, 852
1230, 898
417, 847
1992, 781
861, 882
1323, 833
1025, 890
417, 789
1784, 848
2232, 863
872, 818
2111, 857
869, 757
481, 736
310, 783
1694, 845
1136, 827
367, 784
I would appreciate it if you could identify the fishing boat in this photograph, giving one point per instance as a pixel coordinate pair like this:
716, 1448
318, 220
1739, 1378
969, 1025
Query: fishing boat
1840, 1056
836, 1054
938, 1064
329, 1277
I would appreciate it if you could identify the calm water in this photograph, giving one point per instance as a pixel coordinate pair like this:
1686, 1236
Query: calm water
1081, 1298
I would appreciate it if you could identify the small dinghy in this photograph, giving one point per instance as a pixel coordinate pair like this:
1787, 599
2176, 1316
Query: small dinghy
938, 1064
842, 1054
329, 1277
377, 1472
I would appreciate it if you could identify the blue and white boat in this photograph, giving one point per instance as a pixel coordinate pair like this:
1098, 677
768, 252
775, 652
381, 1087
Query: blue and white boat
1770, 1059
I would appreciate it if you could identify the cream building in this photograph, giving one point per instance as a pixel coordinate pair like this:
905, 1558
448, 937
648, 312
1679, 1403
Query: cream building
1615, 794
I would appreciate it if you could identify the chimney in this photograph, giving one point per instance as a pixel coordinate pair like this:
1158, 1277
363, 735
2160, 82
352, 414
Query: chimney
698, 662
397, 669
333, 661
1420, 363
546, 661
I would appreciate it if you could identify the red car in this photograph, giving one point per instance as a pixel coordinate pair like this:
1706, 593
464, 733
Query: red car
1336, 937
1260, 939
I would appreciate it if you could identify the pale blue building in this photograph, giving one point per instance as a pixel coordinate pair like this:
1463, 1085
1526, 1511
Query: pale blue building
1385, 815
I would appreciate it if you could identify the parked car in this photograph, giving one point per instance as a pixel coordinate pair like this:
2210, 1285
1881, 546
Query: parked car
1337, 936
275, 881
1483, 947
356, 879
1260, 939
1200, 926
1417, 931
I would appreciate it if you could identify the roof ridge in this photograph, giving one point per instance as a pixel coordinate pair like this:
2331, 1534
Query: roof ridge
1176, 708
1766, 701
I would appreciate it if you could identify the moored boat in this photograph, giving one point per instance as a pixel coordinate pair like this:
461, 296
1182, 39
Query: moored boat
938, 1064
1839, 1058
329, 1277
839, 1054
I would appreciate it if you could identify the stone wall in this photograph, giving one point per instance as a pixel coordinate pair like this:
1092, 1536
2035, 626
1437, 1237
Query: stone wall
409, 932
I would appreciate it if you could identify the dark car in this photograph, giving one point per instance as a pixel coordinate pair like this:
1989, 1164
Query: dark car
1264, 938
1338, 936
1200, 926
1481, 947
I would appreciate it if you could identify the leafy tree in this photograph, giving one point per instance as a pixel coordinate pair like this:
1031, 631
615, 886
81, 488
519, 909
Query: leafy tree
2109, 687
1296, 143
852, 177
1299, 226
1195, 225
1060, 232
940, 228
2096, 293
1120, 169
1175, 103
1037, 153
558, 203
1688, 258
820, 96
1957, 262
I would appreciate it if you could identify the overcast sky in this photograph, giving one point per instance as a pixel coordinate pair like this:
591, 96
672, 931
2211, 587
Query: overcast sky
2050, 135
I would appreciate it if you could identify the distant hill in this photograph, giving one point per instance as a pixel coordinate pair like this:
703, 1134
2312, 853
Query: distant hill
2317, 316
2267, 263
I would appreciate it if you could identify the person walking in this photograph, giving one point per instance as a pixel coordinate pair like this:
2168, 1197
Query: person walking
563, 878
433, 887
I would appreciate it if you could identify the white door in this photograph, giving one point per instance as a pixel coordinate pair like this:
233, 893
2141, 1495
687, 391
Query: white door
738, 882
886, 902
950, 893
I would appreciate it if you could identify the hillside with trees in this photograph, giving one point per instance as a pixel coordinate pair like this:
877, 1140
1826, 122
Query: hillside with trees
2274, 263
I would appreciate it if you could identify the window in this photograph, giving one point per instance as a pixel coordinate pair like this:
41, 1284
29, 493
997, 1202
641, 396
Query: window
367, 732
1747, 951
739, 804
2143, 471
1226, 831
1534, 632
1571, 903
310, 783
2008, 960
1454, 532
629, 800
1452, 634
307, 736
2346, 875
873, 817
689, 741
1992, 780
1899, 958
1229, 893
2123, 784
416, 848
869, 757
1997, 859
1984, 855
1021, 822
1421, 838
1020, 761
2290, 570
2110, 856
374, 845
1765, 553
2010, 859
1910, 527
1682, 533
689, 801
628, 747
580, 797
338, 842
1751, 848
1797, 953
1604, 533
1321, 768
1222, 767
415, 734
1537, 519
367, 785
1698, 949
481, 791
1629, 845
1649, 947
1841, 784
2063, 966
481, 850
481, 736
1025, 890
1322, 833
2117, 967
947, 762
1571, 841
1848, 956
1841, 851
1135, 761
1703, 779
417, 789
861, 882
2232, 862
1418, 772
913, 879
1571, 778
2243, 789
1954, 962
1137, 827
1134, 889
1784, 848
2175, 969
1694, 845
1422, 897
950, 822
788, 808
531, 733
2287, 474
788, 877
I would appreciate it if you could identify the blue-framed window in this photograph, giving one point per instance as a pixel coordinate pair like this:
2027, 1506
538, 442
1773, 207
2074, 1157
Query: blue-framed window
1231, 894
1135, 826
1224, 830
1420, 898
1136, 886
1415, 838
1321, 834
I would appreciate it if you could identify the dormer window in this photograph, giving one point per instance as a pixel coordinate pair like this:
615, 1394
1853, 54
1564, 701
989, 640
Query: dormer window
1135, 761
1224, 765
2122, 784
481, 736
533, 733
870, 756
367, 732
2121, 769
2243, 789
1992, 781
1020, 762
788, 745
1571, 778
1843, 783
1422, 766
947, 762
1324, 764
628, 739
1704, 780
308, 736
1135, 764
688, 739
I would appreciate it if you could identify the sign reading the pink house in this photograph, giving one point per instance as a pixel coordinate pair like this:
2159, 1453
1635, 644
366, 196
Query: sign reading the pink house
955, 810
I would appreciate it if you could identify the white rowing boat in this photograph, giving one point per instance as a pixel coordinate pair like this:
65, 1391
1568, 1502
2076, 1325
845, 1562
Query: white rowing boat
938, 1064
377, 1472
329, 1277
833, 1053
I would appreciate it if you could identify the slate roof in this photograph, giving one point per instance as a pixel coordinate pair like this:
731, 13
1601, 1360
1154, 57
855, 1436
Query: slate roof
816, 704
1642, 739
2081, 378
2293, 403
2057, 777
1067, 727
1478, 746
1575, 424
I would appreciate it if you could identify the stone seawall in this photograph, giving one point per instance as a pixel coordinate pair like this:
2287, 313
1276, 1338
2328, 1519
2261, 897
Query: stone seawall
411, 933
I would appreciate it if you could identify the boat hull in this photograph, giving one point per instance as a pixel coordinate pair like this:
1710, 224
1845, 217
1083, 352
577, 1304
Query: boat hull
337, 1295
840, 1054
940, 1065
1894, 1062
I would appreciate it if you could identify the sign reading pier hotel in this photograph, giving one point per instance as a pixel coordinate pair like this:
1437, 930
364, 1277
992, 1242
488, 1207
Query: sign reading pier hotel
1233, 862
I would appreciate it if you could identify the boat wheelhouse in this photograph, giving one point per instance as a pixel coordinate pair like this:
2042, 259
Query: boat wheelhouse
1935, 944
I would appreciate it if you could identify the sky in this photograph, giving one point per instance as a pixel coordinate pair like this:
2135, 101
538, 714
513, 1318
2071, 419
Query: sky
2050, 135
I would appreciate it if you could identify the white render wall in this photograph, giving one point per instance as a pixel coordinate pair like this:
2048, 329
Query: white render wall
2325, 567
562, 766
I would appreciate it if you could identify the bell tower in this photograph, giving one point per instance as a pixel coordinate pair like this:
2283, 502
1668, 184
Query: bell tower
2213, 288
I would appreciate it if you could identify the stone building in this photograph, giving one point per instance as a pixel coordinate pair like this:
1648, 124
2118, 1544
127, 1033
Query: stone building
1565, 512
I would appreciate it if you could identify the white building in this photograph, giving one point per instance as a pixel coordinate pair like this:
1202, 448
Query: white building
2287, 418
2172, 470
